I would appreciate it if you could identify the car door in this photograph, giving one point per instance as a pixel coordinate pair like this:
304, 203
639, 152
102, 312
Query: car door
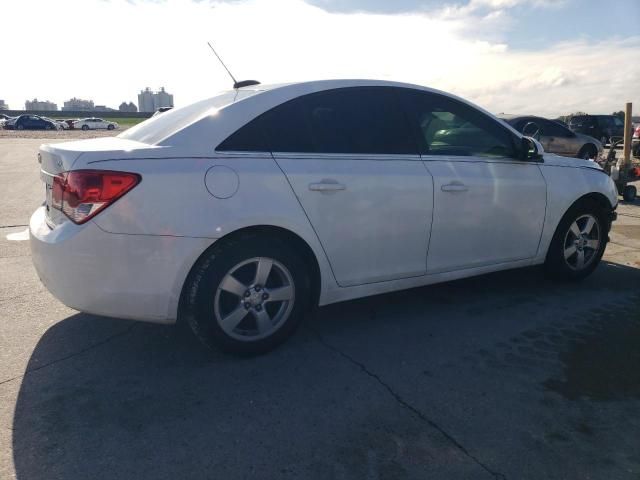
35, 122
565, 140
489, 206
355, 170
100, 123
554, 139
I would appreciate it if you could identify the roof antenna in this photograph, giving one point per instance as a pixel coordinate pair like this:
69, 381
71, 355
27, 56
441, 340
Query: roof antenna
236, 84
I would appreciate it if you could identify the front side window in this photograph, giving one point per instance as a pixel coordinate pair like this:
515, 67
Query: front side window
553, 129
445, 126
347, 120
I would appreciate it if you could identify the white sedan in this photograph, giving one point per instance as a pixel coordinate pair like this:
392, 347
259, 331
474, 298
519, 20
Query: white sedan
94, 124
241, 212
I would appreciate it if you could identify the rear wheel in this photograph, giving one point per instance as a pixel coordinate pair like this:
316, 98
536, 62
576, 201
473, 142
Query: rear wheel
249, 296
85, 127
19, 127
110, 127
579, 242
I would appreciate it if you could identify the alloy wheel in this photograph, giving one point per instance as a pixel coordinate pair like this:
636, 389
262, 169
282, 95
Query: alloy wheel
254, 299
582, 241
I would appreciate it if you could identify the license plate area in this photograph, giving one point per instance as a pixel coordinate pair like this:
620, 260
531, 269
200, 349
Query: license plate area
52, 214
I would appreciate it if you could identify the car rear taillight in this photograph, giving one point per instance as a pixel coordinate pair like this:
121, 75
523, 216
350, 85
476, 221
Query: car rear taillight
82, 194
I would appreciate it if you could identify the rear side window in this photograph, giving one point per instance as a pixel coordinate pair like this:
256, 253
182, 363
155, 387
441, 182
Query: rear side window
347, 120
445, 126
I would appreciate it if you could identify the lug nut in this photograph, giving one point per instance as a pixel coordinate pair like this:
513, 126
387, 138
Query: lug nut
258, 307
257, 288
247, 293
247, 305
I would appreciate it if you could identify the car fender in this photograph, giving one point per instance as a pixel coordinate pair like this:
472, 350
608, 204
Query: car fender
174, 199
568, 180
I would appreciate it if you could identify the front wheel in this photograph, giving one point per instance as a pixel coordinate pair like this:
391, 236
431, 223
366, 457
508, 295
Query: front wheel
249, 296
110, 127
85, 127
579, 242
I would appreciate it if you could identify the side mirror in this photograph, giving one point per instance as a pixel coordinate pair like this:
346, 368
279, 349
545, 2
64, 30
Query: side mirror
530, 149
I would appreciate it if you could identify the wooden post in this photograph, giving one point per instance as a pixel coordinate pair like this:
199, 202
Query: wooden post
628, 132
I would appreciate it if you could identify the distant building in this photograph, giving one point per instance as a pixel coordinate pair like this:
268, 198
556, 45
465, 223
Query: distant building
3, 106
128, 107
103, 108
78, 105
149, 101
45, 106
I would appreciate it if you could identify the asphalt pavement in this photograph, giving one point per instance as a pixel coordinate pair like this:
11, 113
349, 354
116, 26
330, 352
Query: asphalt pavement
506, 375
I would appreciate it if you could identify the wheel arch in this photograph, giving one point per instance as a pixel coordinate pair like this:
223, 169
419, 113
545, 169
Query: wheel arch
588, 146
289, 237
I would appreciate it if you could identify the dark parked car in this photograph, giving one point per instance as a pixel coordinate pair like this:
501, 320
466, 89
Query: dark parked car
555, 137
602, 127
30, 122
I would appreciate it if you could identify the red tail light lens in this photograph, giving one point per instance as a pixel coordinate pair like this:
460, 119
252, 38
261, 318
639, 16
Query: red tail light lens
82, 194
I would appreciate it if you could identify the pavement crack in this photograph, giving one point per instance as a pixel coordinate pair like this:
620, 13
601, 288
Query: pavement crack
408, 406
14, 226
71, 355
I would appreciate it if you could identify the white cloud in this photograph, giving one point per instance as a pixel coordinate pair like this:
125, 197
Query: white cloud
108, 51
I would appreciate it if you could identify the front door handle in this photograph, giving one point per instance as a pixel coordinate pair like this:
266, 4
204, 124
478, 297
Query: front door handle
454, 187
327, 185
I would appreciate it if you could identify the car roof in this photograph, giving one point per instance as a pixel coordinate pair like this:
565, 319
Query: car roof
243, 105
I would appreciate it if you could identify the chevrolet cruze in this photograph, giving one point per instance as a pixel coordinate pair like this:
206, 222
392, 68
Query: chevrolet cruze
241, 212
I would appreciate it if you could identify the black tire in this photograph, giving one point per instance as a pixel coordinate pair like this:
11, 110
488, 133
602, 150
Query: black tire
588, 151
85, 127
207, 275
629, 193
110, 127
19, 127
555, 264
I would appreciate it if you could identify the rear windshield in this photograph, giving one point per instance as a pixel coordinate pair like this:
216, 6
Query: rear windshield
166, 124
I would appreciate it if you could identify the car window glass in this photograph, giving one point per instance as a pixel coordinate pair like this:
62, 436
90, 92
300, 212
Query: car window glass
446, 126
347, 120
552, 129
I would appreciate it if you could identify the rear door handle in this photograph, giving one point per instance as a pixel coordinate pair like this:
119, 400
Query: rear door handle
326, 186
454, 187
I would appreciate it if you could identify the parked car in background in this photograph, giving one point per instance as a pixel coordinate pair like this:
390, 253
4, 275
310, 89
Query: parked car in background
602, 127
61, 123
555, 137
4, 118
71, 121
305, 194
94, 123
30, 122
58, 123
635, 141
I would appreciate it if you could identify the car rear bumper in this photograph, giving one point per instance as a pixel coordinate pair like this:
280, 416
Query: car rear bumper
137, 277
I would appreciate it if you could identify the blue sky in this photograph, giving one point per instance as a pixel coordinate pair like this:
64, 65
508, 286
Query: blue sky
533, 24
548, 57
